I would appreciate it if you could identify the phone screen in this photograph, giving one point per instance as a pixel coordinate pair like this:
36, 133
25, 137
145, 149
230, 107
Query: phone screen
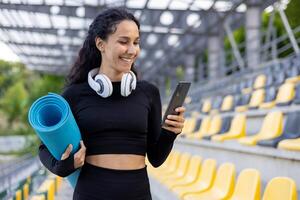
177, 99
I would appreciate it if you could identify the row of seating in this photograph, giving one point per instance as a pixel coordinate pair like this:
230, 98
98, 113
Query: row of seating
273, 132
192, 178
288, 70
278, 85
48, 188
286, 94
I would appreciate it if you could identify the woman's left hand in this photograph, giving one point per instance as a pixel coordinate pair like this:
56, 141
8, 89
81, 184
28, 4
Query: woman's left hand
175, 122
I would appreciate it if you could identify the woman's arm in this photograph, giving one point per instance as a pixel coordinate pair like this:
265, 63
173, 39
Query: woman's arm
160, 140
68, 163
61, 168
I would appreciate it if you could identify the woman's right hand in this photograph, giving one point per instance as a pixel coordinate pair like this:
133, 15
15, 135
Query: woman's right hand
79, 156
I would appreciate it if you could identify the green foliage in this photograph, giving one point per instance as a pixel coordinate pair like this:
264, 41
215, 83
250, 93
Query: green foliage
14, 102
19, 88
293, 14
179, 73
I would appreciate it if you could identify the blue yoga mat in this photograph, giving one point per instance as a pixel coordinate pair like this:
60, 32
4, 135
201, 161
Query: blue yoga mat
51, 118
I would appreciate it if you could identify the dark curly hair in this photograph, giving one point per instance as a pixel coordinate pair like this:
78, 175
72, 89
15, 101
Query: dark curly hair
89, 56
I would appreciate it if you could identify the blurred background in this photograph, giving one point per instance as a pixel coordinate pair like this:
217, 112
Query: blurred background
242, 57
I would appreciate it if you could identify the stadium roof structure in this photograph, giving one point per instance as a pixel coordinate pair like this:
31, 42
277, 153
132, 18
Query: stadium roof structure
47, 34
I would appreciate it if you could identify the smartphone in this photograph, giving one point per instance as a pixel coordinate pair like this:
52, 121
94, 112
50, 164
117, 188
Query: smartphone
177, 99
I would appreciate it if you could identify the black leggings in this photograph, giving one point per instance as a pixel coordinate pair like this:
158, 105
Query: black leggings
97, 183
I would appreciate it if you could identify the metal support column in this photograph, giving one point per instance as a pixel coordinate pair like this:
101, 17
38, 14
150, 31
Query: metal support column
233, 44
253, 23
189, 67
288, 29
215, 54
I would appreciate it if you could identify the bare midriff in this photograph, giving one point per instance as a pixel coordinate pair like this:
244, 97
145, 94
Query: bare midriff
117, 161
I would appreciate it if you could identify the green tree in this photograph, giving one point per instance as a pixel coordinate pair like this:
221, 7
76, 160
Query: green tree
14, 102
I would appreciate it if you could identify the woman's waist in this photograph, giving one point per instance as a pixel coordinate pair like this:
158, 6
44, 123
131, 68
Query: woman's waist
117, 161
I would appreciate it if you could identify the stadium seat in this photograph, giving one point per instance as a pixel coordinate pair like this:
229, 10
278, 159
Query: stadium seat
204, 128
181, 170
216, 104
271, 128
248, 186
290, 144
291, 130
237, 129
270, 80
206, 106
241, 106
222, 187
168, 167
286, 94
270, 96
214, 126
191, 174
227, 104
280, 188
279, 77
257, 98
189, 125
260, 81
183, 162
226, 121
297, 95
203, 181
292, 75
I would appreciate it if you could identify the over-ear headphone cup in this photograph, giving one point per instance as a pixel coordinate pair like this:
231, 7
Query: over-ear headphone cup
128, 83
106, 87
133, 83
125, 84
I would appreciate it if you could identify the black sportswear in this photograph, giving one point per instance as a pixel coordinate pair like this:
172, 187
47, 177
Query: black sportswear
115, 125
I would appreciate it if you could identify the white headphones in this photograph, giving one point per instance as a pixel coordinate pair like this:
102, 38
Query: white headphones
103, 86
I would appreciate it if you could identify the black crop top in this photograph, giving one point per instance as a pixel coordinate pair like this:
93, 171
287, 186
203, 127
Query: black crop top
115, 125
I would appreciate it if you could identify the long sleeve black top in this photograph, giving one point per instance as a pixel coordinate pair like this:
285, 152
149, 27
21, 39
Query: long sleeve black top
115, 125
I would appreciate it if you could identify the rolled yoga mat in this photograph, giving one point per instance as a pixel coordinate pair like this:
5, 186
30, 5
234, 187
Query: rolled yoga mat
51, 118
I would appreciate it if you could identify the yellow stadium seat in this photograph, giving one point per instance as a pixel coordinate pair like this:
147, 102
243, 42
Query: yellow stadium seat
237, 129
25, 191
280, 188
38, 197
49, 187
260, 81
246, 90
180, 171
189, 125
257, 98
171, 166
222, 187
267, 105
206, 106
227, 103
214, 126
153, 171
295, 79
290, 144
248, 186
271, 128
202, 130
203, 182
18, 195
190, 175
285, 94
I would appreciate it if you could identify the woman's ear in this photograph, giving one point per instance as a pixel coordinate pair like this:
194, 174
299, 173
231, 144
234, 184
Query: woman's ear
99, 44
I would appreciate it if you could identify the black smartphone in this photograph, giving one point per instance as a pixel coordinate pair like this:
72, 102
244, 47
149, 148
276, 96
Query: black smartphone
177, 99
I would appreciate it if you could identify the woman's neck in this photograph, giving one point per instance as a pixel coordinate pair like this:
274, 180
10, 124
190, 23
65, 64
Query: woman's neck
111, 74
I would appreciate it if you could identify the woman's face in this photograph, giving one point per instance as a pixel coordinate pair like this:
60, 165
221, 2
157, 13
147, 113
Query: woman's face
121, 48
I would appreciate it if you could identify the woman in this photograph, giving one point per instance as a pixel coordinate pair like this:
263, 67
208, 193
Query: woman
119, 117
